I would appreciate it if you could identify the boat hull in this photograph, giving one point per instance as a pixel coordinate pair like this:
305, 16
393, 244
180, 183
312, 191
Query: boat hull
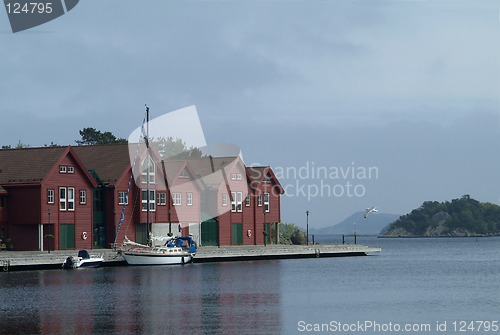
142, 258
90, 263
77, 262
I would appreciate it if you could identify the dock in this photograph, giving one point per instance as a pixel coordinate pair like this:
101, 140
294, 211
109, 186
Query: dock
37, 260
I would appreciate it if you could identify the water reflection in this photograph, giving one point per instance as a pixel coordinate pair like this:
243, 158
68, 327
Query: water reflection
223, 298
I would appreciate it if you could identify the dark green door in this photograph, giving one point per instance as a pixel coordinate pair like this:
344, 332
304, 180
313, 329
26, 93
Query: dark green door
67, 236
237, 233
210, 232
141, 233
267, 230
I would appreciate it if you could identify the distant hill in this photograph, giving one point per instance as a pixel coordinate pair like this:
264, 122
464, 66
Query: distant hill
460, 217
372, 225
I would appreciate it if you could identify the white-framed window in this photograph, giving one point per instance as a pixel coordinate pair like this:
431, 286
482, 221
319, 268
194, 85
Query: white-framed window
259, 200
83, 197
62, 169
176, 199
236, 201
50, 196
189, 199
239, 201
62, 198
267, 179
122, 198
233, 201
266, 202
247, 200
162, 198
233, 176
238, 176
224, 199
71, 169
148, 169
151, 200
71, 198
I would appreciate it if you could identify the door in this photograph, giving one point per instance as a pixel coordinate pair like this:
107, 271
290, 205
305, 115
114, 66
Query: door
210, 232
237, 233
267, 230
67, 236
141, 234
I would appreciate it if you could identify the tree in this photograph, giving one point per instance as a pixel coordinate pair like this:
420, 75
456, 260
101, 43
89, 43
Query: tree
92, 136
174, 149
291, 234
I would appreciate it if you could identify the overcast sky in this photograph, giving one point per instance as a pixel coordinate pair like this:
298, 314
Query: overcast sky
408, 89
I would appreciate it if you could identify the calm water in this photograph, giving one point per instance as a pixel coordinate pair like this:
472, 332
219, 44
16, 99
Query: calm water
413, 281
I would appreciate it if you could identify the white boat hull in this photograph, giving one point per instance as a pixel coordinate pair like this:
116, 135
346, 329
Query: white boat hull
146, 258
90, 263
78, 262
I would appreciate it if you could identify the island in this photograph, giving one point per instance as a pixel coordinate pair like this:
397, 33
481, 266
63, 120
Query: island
459, 217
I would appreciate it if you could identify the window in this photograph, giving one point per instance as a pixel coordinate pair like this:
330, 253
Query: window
233, 201
238, 176
266, 202
233, 176
148, 170
50, 196
83, 197
247, 200
62, 169
162, 198
239, 201
259, 200
236, 201
224, 199
71, 169
71, 198
62, 198
122, 198
189, 199
151, 200
176, 199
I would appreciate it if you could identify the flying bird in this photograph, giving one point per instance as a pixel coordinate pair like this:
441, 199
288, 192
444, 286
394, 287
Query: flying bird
370, 210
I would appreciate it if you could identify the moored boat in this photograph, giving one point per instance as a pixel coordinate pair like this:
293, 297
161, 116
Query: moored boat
179, 250
83, 260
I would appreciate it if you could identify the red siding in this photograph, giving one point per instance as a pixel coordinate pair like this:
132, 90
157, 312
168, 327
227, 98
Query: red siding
27, 206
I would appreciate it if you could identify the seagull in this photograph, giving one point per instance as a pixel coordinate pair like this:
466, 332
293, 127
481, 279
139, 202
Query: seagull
370, 210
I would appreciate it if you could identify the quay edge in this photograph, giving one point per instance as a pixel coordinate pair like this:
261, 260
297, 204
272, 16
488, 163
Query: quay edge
38, 260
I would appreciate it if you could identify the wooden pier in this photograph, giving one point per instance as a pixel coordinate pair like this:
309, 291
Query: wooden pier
33, 260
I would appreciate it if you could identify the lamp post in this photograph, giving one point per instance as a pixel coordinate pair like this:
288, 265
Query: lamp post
264, 232
307, 227
48, 235
169, 222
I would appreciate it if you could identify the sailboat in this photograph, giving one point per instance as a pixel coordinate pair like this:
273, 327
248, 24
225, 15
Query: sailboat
176, 250
179, 250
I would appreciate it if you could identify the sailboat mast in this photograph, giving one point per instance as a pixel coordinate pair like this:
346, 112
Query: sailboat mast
148, 230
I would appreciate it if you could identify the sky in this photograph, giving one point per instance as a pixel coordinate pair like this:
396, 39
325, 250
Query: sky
353, 103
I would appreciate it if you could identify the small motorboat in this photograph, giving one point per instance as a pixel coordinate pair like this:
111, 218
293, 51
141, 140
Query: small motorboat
83, 260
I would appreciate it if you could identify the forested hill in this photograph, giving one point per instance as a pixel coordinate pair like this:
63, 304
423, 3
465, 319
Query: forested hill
460, 217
